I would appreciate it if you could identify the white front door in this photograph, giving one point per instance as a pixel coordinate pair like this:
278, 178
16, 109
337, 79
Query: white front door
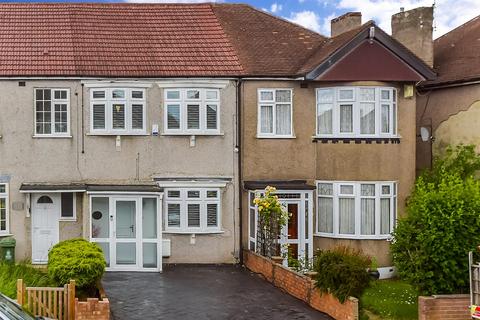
45, 229
126, 241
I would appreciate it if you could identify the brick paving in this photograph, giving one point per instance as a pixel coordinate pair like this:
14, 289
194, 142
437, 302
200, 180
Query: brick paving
201, 292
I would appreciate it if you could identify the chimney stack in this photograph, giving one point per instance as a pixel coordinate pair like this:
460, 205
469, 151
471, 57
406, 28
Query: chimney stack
346, 22
414, 29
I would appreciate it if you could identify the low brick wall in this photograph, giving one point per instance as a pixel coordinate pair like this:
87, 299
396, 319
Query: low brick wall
300, 287
92, 309
445, 307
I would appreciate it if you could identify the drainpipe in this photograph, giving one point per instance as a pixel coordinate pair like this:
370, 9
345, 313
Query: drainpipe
239, 159
83, 124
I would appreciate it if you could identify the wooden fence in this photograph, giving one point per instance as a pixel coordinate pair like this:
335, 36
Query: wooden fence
55, 303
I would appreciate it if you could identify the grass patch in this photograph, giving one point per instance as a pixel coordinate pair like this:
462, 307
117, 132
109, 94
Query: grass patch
9, 273
391, 299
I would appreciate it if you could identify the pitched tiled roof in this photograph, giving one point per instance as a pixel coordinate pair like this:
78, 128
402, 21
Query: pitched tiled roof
456, 55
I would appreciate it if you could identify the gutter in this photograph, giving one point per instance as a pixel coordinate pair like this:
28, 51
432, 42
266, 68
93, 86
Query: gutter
448, 85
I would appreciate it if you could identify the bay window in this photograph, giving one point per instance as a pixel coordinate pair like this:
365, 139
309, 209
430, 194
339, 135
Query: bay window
274, 113
352, 112
356, 210
195, 210
192, 111
52, 112
4, 208
117, 111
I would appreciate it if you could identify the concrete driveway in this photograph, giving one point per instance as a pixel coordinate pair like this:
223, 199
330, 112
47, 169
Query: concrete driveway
200, 292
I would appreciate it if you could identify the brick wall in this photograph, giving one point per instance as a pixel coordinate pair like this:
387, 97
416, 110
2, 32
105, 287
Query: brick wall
300, 287
445, 307
92, 309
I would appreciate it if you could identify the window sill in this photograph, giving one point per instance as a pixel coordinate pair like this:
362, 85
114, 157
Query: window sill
6, 235
191, 134
353, 237
194, 232
112, 134
67, 220
357, 140
40, 136
276, 137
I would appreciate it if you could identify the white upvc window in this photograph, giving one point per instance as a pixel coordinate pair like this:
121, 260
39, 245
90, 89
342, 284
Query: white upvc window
192, 210
192, 111
52, 112
4, 205
356, 112
68, 206
275, 113
356, 210
117, 111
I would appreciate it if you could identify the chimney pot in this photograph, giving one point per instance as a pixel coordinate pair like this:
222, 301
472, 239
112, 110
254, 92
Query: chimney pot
345, 22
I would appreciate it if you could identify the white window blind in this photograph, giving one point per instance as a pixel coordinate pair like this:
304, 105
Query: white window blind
275, 113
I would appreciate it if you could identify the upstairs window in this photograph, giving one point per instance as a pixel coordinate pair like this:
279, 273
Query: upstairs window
275, 113
52, 112
353, 112
3, 208
117, 111
192, 111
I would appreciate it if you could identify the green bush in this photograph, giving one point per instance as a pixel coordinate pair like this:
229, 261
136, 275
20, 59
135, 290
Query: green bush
431, 244
342, 272
76, 259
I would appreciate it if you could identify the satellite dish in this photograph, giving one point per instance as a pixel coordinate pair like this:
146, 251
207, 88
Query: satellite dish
425, 134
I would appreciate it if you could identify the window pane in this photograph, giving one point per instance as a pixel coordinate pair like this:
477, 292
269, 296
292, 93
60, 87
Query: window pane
368, 190
325, 95
193, 215
385, 118
193, 194
252, 223
283, 96
266, 119
211, 116
137, 116
385, 94
2, 188
346, 208
385, 216
386, 189
367, 118
325, 112
212, 194
283, 119
97, 94
325, 215
98, 116
38, 94
47, 94
346, 118
212, 215
149, 218
212, 94
60, 94
61, 118
193, 116
100, 217
173, 120
266, 95
149, 255
173, 214
345, 94
118, 94
367, 94
325, 189
346, 189
193, 94
173, 95
137, 94
67, 204
118, 116
367, 216
173, 193
394, 121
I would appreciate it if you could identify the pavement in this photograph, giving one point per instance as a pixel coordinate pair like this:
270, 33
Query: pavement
201, 292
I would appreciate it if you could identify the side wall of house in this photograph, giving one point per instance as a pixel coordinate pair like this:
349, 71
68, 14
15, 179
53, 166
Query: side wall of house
96, 159
302, 158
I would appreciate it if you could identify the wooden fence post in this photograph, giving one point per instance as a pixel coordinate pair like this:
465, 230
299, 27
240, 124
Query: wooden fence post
20, 292
71, 300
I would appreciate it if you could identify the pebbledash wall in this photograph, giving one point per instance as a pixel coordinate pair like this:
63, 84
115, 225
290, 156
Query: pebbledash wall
301, 158
96, 159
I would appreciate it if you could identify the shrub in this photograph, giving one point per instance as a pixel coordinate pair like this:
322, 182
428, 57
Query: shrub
431, 244
342, 272
76, 259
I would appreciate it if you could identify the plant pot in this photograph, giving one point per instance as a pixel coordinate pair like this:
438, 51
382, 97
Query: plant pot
374, 274
277, 259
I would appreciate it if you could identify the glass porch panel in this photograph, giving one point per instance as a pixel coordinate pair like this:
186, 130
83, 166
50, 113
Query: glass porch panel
125, 219
149, 255
100, 217
106, 251
126, 253
149, 218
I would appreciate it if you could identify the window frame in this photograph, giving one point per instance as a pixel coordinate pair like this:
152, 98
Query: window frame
5, 195
356, 123
74, 208
357, 196
109, 101
183, 200
53, 101
183, 102
273, 103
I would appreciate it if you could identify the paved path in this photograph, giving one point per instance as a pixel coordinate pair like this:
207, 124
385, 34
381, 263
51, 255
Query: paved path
200, 292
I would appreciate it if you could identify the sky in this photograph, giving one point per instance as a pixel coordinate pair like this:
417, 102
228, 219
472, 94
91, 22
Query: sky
316, 14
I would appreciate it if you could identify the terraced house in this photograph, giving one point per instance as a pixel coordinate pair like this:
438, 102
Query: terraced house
148, 128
